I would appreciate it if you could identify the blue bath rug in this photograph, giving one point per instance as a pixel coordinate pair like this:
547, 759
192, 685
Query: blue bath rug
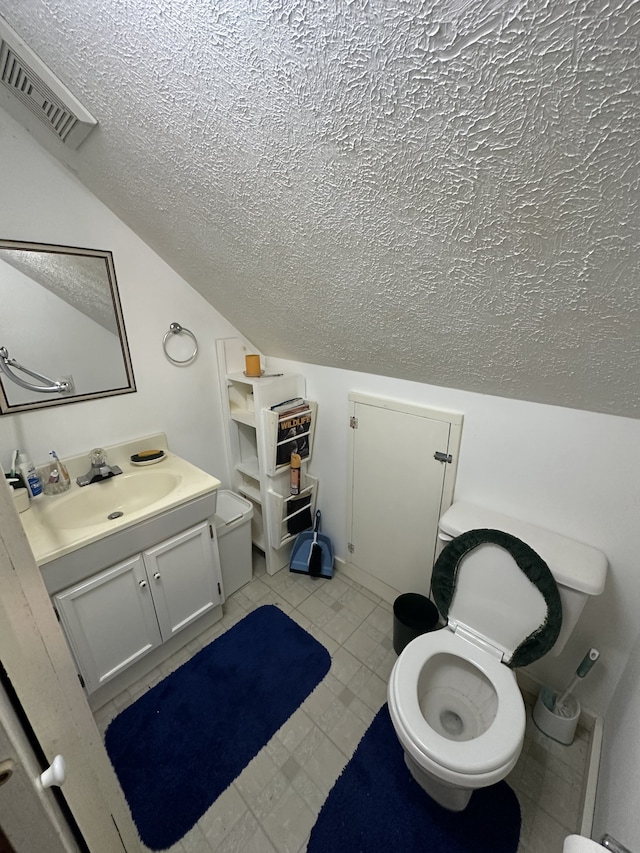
178, 747
376, 806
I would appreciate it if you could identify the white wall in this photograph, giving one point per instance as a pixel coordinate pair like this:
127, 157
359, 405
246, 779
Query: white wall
42, 201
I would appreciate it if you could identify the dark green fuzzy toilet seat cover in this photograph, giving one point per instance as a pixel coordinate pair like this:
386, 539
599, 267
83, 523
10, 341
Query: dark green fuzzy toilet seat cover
445, 577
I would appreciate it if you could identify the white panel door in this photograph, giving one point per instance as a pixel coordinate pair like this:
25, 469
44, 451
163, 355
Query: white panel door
30, 818
184, 575
110, 621
398, 490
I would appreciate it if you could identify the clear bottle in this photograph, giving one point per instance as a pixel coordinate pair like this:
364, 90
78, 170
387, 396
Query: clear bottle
30, 476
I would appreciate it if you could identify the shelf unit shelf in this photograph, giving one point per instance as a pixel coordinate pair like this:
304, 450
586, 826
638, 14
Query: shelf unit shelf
249, 467
251, 428
250, 492
243, 417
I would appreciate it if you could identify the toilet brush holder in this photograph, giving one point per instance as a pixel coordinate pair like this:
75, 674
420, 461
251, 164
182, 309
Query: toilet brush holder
557, 723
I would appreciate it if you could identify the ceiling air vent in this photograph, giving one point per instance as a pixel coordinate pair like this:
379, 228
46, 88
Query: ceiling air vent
29, 80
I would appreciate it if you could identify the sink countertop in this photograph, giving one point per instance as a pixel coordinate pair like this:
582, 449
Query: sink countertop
49, 542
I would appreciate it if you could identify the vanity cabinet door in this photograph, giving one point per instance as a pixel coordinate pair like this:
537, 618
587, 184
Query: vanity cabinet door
184, 574
110, 621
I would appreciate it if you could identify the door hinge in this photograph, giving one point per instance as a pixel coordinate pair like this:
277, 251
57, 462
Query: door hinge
351, 547
211, 531
442, 457
219, 589
81, 680
353, 423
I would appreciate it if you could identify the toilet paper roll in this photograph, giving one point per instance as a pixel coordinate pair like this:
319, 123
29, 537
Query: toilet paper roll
580, 844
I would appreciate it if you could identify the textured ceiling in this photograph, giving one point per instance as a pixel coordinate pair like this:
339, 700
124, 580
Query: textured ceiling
444, 191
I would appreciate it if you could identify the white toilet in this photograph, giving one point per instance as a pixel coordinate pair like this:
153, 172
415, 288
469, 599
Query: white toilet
453, 696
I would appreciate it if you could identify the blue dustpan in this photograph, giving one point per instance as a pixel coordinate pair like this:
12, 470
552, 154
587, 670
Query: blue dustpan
301, 552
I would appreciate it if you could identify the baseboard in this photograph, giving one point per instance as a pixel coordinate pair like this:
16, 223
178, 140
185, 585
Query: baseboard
530, 688
591, 786
378, 587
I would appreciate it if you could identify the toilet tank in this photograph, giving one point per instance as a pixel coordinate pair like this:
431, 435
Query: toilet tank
579, 570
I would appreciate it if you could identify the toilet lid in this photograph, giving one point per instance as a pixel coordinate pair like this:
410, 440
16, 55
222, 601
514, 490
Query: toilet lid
495, 587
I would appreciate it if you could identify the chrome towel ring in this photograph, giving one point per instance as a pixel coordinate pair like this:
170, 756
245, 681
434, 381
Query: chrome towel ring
177, 329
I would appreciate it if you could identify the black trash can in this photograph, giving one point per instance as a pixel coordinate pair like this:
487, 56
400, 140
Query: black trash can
413, 614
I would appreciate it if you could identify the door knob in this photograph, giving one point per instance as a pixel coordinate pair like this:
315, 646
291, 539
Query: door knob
157, 576
55, 774
142, 584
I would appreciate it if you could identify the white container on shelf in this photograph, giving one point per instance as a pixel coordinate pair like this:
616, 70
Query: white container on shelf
233, 527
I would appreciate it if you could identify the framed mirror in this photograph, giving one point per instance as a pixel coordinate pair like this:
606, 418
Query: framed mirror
62, 334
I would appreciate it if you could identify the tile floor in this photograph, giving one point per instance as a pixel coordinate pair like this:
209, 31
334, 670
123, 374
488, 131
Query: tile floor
272, 806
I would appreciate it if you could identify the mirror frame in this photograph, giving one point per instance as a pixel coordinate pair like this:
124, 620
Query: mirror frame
7, 408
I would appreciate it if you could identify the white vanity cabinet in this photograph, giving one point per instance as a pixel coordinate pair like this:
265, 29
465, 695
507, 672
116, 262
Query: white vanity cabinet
116, 617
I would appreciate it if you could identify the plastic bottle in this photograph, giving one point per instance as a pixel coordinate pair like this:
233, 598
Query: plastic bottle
30, 476
296, 462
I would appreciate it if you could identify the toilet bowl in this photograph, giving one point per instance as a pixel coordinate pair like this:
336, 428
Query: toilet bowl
458, 714
453, 697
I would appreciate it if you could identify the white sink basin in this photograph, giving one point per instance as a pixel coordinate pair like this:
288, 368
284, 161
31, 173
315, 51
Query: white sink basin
57, 525
123, 494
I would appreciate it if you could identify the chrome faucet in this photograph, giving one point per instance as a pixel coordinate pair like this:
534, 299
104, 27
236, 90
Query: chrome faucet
99, 470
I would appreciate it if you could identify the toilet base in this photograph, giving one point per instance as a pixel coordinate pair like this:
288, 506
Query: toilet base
450, 797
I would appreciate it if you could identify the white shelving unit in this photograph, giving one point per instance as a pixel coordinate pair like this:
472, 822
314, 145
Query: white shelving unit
252, 437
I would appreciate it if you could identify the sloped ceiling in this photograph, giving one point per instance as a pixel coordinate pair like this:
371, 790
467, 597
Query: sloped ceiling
439, 190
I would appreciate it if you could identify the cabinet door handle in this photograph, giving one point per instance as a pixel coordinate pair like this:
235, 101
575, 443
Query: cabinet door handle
142, 584
157, 575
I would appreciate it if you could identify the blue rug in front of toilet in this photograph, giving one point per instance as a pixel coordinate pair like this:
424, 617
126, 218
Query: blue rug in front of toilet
179, 746
376, 806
